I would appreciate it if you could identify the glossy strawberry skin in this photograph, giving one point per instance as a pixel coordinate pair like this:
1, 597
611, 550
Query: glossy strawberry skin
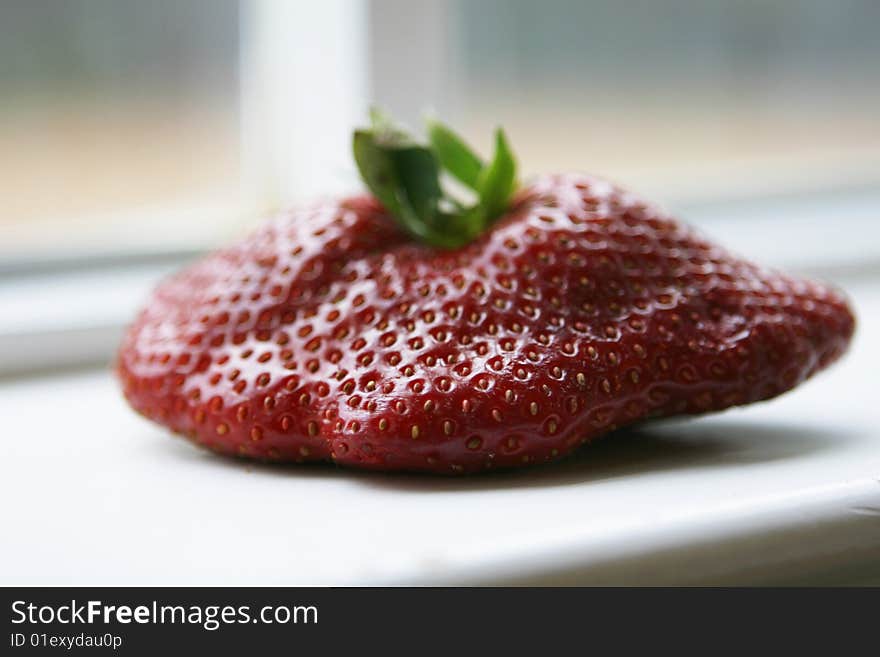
329, 334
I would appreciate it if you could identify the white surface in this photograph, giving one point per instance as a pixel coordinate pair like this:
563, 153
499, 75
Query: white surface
53, 320
783, 491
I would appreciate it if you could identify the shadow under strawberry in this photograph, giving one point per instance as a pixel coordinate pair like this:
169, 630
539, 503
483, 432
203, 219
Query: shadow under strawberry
631, 452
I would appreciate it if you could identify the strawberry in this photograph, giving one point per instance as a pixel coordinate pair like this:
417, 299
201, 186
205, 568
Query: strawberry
411, 331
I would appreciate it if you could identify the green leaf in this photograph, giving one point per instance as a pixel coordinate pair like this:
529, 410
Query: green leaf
419, 176
404, 175
406, 182
377, 169
410, 170
497, 181
387, 133
454, 154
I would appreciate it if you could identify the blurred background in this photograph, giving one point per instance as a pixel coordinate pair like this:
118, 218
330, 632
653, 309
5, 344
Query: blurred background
135, 135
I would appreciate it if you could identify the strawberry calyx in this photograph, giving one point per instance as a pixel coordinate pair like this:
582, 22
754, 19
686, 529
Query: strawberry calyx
405, 175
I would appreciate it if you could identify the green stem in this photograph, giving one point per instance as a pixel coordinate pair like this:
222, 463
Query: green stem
405, 176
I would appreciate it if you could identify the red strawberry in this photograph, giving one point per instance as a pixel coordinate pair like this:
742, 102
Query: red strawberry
331, 333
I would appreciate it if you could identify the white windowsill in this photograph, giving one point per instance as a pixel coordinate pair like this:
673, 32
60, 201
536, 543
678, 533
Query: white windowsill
784, 492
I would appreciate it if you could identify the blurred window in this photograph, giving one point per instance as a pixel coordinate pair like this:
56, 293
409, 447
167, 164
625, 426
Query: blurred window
128, 126
118, 121
680, 98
